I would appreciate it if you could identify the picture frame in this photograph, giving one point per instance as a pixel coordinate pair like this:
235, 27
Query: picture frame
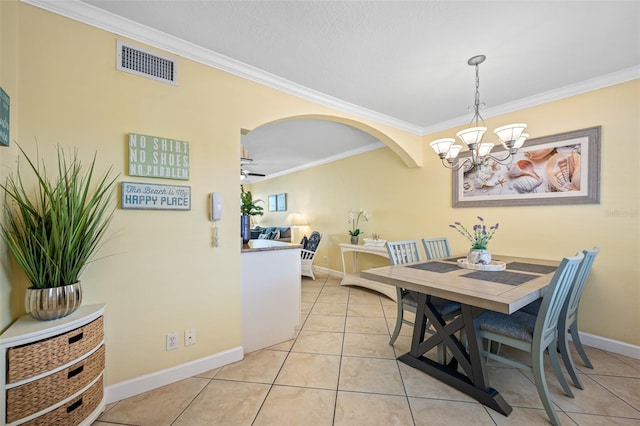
559, 169
272, 203
281, 202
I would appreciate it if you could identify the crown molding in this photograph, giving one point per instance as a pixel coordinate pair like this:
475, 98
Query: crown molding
90, 15
596, 83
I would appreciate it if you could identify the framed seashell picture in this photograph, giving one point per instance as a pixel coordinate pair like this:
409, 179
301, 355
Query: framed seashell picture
556, 169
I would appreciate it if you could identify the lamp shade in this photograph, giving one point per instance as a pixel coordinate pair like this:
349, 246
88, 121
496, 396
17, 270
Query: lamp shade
442, 146
453, 152
484, 149
510, 132
472, 135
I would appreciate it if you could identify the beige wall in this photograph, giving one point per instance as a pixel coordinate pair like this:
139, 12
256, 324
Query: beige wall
160, 272
413, 203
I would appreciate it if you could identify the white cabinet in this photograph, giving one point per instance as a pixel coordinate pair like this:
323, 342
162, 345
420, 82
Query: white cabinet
270, 296
52, 371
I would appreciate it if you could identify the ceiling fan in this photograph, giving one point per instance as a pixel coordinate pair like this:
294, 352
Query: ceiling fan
244, 173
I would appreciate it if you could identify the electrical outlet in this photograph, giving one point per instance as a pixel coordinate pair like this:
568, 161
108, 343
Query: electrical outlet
325, 259
190, 337
172, 341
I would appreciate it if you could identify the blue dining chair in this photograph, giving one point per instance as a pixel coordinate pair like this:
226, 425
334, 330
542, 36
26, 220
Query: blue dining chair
436, 248
401, 252
568, 322
534, 334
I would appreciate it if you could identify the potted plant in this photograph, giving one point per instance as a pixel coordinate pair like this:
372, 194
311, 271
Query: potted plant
353, 217
248, 208
479, 240
54, 229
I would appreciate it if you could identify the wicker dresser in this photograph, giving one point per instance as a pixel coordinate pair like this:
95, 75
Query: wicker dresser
52, 371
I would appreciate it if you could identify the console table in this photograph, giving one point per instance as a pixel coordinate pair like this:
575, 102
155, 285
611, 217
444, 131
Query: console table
353, 277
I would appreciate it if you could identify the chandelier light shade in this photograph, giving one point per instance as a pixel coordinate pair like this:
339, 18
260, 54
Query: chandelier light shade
511, 136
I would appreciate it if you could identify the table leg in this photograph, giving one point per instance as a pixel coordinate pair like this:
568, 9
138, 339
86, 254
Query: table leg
473, 380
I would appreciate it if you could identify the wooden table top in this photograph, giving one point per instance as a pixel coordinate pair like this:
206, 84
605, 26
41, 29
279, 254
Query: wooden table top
454, 285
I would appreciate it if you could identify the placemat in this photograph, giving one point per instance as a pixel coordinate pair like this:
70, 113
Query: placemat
502, 277
454, 259
435, 267
531, 267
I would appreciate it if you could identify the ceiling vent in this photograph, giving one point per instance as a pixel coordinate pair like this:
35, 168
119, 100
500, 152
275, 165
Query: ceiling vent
146, 64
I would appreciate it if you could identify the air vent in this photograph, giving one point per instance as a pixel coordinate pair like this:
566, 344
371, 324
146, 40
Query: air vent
146, 64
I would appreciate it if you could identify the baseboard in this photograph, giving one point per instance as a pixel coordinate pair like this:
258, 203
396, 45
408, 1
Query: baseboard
328, 271
603, 343
148, 382
609, 345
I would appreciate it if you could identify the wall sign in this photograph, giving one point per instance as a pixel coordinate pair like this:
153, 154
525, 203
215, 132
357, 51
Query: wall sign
149, 196
4, 117
153, 156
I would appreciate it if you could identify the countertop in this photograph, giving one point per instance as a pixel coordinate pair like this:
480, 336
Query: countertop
267, 245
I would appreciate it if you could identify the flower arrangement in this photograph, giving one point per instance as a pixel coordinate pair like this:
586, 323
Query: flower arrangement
354, 218
480, 236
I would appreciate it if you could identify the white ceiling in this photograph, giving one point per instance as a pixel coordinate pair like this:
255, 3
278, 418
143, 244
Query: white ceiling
403, 63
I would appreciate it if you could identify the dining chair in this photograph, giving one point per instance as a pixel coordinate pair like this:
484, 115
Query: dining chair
401, 252
436, 248
568, 322
534, 334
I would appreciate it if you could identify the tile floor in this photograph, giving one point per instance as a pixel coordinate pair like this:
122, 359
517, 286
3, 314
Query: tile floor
340, 370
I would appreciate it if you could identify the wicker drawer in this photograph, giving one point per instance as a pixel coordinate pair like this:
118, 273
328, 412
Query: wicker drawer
73, 412
32, 397
36, 358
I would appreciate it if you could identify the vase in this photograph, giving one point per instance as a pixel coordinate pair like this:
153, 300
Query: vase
245, 228
47, 304
354, 239
481, 256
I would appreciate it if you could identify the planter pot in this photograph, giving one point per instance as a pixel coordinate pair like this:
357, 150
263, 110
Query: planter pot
480, 256
47, 304
354, 239
245, 228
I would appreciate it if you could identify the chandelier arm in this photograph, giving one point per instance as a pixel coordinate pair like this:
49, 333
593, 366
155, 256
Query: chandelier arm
449, 165
502, 160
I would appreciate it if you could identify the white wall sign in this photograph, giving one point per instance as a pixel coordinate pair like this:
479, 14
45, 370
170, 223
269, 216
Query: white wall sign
149, 196
153, 156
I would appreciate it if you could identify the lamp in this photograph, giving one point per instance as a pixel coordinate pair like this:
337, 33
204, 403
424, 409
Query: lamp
295, 221
510, 136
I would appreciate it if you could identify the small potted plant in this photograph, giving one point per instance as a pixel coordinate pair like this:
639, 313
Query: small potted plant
54, 229
478, 254
248, 208
354, 219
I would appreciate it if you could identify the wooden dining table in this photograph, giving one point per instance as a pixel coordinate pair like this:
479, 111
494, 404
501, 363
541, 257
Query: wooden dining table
506, 291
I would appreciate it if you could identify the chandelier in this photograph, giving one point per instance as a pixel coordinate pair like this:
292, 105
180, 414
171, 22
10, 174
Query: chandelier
510, 136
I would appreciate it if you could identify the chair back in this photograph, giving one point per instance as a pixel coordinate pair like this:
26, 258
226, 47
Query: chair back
403, 252
436, 248
555, 295
313, 242
571, 307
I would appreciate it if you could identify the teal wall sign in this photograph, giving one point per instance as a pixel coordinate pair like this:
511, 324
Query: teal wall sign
153, 156
4, 117
149, 196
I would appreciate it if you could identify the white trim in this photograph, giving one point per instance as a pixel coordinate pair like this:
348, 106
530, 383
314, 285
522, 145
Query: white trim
83, 12
609, 345
607, 80
151, 381
340, 156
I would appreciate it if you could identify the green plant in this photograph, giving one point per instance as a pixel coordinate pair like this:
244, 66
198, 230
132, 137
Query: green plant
354, 218
480, 237
248, 206
54, 230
